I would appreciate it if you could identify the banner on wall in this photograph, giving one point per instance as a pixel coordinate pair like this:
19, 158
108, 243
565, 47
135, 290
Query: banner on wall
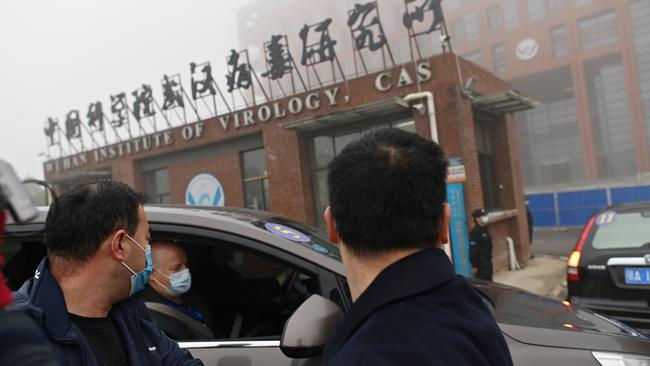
205, 190
458, 230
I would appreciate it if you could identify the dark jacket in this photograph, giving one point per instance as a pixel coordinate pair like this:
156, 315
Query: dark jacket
42, 298
22, 342
418, 312
480, 252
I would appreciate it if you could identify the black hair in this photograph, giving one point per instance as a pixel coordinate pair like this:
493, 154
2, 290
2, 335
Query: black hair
79, 220
387, 191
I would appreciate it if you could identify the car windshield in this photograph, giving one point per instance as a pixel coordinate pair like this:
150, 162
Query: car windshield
622, 230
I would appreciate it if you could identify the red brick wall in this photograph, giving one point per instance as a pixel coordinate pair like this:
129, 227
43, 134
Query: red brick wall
226, 168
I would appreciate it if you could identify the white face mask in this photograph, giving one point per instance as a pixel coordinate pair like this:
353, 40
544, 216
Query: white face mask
485, 220
180, 282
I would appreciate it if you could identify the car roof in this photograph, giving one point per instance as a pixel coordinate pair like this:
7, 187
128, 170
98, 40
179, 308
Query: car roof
634, 206
241, 222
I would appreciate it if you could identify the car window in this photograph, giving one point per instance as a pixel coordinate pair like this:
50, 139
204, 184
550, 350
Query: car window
22, 256
240, 293
621, 230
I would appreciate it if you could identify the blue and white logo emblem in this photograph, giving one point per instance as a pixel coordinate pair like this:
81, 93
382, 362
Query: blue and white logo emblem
204, 190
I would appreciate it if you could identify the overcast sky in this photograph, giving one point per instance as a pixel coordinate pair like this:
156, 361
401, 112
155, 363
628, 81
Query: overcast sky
61, 55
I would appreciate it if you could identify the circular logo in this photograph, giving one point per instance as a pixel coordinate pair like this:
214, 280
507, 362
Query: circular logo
286, 232
527, 49
204, 190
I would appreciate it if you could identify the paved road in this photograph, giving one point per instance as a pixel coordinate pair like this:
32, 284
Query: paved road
555, 242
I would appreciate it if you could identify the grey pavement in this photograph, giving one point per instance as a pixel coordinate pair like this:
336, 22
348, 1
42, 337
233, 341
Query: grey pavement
555, 242
543, 275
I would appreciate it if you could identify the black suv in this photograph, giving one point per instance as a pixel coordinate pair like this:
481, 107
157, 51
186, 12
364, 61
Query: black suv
609, 269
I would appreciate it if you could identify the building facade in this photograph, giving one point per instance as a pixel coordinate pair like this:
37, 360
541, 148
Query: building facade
273, 156
588, 63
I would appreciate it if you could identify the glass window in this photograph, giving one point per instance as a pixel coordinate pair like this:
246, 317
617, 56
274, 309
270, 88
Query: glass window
495, 19
487, 165
598, 31
474, 56
580, 3
628, 230
453, 4
323, 150
157, 186
555, 6
471, 27
550, 145
510, 14
610, 117
640, 27
560, 40
536, 10
458, 30
256, 182
498, 59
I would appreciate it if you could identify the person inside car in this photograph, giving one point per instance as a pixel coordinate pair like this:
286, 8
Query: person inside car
82, 294
181, 314
389, 216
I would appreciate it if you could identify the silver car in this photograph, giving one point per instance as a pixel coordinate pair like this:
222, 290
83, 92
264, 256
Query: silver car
291, 325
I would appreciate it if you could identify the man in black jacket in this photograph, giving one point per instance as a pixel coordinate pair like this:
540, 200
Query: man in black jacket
81, 295
480, 246
389, 215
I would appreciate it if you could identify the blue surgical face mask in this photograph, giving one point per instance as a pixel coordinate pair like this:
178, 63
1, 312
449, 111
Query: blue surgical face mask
180, 282
139, 279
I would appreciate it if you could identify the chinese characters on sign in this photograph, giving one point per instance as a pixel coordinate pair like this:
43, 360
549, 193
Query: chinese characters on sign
202, 80
239, 74
419, 10
278, 58
172, 92
143, 104
95, 116
314, 53
366, 28
318, 46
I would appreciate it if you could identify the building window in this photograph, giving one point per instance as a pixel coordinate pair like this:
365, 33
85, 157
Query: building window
498, 59
475, 56
555, 6
495, 19
580, 3
536, 10
598, 31
256, 182
323, 149
487, 164
458, 30
560, 41
471, 27
550, 145
453, 5
610, 117
156, 183
639, 15
510, 14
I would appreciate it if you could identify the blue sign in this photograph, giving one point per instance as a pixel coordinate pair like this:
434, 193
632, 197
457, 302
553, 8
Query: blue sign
458, 230
287, 232
204, 190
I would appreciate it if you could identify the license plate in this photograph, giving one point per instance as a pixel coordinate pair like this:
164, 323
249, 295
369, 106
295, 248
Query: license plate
637, 276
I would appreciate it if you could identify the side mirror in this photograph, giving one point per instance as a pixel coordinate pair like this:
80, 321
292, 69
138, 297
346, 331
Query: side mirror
307, 330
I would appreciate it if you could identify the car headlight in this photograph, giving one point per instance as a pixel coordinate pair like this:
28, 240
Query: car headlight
620, 359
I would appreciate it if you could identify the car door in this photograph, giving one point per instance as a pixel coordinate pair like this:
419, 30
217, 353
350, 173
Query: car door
244, 349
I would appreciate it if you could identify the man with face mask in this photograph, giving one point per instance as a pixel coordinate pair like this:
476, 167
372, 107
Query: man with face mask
81, 294
182, 315
480, 246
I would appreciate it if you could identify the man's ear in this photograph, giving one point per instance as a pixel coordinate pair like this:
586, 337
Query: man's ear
117, 248
332, 234
443, 236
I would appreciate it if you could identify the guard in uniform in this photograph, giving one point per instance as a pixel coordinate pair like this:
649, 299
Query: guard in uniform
480, 246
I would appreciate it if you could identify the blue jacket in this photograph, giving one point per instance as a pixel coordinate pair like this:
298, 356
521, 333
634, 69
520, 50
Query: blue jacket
42, 298
418, 312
